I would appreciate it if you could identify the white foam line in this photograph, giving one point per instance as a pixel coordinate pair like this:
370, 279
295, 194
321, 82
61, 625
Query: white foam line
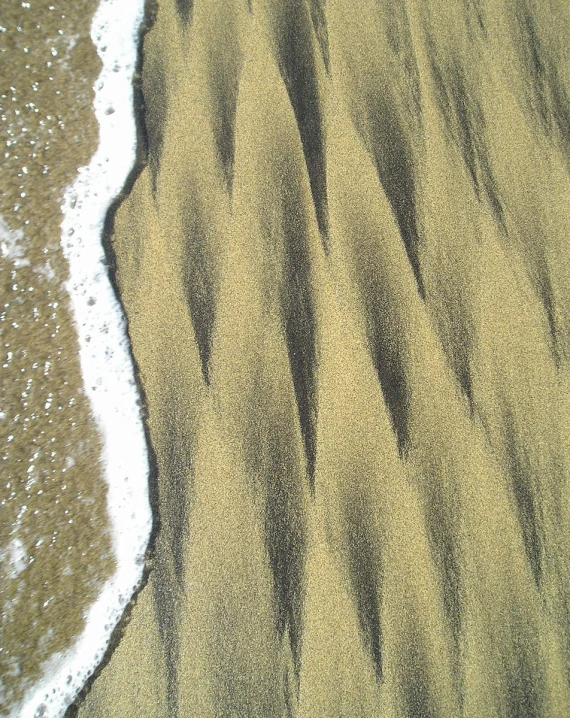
104, 354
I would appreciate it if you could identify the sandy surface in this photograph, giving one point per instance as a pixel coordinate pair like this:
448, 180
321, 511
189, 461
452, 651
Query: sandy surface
346, 270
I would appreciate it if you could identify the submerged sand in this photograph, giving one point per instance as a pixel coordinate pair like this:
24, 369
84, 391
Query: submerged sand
346, 272
55, 548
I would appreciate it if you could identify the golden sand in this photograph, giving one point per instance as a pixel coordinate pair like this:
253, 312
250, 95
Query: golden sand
346, 272
54, 540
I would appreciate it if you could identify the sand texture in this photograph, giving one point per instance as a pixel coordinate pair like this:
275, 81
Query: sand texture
345, 264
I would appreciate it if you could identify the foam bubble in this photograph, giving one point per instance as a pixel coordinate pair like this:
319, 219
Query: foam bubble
106, 364
12, 244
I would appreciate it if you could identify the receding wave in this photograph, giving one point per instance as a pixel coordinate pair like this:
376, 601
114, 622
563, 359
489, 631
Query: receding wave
106, 363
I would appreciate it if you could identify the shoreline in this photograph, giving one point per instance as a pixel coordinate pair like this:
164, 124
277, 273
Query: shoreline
104, 351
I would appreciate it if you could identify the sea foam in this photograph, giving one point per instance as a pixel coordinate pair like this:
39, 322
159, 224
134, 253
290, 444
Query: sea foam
106, 363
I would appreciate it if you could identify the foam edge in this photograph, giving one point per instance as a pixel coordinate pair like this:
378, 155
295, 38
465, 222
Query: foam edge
104, 352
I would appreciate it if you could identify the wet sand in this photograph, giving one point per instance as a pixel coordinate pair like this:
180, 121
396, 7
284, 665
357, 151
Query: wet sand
346, 271
55, 546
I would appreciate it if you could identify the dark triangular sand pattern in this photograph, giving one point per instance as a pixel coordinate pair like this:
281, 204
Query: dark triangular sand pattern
346, 269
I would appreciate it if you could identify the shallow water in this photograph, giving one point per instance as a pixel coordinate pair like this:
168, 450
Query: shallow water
56, 547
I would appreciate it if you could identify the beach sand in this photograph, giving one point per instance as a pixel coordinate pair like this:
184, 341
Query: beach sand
345, 266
